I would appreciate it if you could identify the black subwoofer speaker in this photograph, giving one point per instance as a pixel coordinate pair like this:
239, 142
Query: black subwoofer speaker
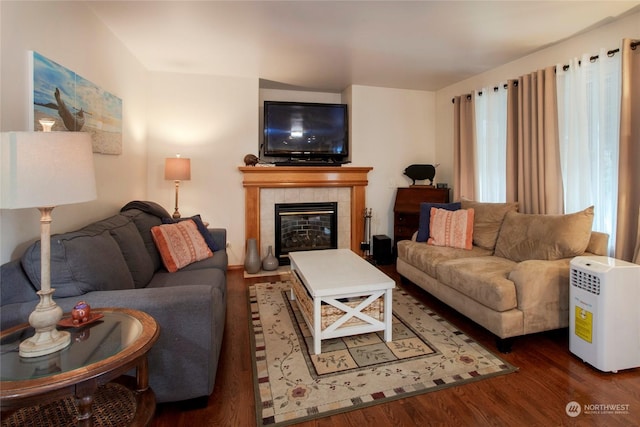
382, 249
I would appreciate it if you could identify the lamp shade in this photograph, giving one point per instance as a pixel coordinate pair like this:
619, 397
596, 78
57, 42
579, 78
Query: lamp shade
177, 169
46, 169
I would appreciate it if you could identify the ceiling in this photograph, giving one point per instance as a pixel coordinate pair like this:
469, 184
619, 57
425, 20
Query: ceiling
330, 45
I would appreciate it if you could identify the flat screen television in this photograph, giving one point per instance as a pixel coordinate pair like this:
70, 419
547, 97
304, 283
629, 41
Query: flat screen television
303, 130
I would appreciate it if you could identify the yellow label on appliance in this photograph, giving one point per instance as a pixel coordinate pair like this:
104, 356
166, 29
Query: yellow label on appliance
584, 324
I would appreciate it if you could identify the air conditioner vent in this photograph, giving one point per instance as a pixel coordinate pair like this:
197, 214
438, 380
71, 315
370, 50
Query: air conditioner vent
586, 281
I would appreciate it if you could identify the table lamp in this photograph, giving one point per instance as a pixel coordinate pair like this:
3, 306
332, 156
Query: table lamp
177, 169
44, 170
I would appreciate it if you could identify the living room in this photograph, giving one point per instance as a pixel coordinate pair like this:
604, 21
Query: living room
214, 119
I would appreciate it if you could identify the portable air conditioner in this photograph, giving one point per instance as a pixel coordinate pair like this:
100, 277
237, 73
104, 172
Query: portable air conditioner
604, 316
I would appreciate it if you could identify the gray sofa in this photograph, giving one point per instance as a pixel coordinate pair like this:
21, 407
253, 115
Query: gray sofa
114, 263
515, 279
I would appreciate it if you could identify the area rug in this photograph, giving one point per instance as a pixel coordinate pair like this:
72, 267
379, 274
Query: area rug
294, 385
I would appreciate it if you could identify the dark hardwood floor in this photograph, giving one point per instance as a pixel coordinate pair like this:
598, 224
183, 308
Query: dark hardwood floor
549, 378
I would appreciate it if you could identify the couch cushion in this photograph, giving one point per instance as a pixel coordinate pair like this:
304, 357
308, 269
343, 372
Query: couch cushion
180, 244
453, 229
487, 221
128, 237
144, 222
219, 260
15, 286
426, 257
424, 220
201, 228
81, 262
484, 279
210, 277
546, 237
126, 234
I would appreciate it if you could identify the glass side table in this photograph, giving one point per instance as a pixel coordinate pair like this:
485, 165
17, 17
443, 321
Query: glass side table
100, 352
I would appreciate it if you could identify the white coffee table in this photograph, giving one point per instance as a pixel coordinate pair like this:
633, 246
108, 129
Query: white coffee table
334, 275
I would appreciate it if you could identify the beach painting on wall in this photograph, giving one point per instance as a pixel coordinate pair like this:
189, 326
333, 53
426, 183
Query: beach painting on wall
75, 104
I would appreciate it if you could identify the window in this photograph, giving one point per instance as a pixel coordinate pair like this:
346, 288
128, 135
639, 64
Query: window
589, 124
491, 140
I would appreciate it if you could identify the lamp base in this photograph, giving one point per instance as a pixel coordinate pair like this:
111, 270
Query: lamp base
47, 338
43, 343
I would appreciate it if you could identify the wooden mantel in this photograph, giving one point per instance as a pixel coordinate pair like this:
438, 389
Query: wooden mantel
256, 178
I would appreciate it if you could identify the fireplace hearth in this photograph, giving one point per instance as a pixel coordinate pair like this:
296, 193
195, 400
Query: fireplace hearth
305, 227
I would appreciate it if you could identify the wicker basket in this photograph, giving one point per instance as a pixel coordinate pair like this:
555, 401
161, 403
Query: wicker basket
331, 314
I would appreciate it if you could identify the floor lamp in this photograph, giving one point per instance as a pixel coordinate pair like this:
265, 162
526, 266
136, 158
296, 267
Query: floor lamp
44, 170
177, 169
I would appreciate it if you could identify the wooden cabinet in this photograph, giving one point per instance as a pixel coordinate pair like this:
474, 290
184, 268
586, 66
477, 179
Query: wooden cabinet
406, 210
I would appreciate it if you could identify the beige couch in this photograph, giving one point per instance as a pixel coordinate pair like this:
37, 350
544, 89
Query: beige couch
515, 279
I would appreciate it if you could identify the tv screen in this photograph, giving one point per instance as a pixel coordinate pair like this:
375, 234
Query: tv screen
306, 130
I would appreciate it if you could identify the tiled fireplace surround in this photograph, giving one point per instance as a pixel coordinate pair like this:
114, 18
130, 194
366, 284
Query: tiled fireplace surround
270, 196
266, 186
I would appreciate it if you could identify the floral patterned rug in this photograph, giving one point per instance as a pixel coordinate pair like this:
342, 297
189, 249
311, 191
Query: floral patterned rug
294, 385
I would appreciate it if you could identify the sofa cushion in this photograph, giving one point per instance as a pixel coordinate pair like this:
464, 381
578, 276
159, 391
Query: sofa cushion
144, 222
453, 229
546, 237
180, 244
211, 277
483, 279
426, 257
201, 228
126, 234
135, 254
424, 220
487, 221
81, 262
15, 286
219, 260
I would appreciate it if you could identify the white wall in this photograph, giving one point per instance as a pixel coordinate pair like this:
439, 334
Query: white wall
607, 37
213, 121
69, 33
390, 130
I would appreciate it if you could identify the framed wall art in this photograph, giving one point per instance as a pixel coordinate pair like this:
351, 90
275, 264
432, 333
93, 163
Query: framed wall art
75, 104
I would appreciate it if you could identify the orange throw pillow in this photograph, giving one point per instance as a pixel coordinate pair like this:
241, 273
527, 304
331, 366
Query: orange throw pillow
180, 244
451, 228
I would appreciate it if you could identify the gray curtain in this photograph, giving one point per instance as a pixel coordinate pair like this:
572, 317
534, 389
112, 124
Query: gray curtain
627, 228
534, 177
464, 143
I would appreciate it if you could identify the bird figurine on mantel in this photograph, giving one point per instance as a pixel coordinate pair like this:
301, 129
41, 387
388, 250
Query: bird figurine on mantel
251, 160
421, 172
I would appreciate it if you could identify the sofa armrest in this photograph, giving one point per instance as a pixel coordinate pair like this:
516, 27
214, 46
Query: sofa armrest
542, 292
191, 318
219, 236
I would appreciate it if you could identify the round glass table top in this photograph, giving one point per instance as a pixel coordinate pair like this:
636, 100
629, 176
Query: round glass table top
90, 343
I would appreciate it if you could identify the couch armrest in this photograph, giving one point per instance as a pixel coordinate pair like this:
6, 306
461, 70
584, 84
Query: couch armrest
219, 236
542, 292
183, 361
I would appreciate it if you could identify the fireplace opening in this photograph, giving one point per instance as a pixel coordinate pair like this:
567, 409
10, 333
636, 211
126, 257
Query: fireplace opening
305, 227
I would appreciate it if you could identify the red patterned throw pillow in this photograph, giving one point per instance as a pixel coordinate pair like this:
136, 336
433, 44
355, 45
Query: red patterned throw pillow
451, 228
180, 244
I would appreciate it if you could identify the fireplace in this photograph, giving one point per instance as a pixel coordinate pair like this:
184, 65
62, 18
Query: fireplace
305, 227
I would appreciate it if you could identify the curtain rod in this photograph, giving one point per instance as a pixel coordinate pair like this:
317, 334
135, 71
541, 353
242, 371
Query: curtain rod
634, 45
